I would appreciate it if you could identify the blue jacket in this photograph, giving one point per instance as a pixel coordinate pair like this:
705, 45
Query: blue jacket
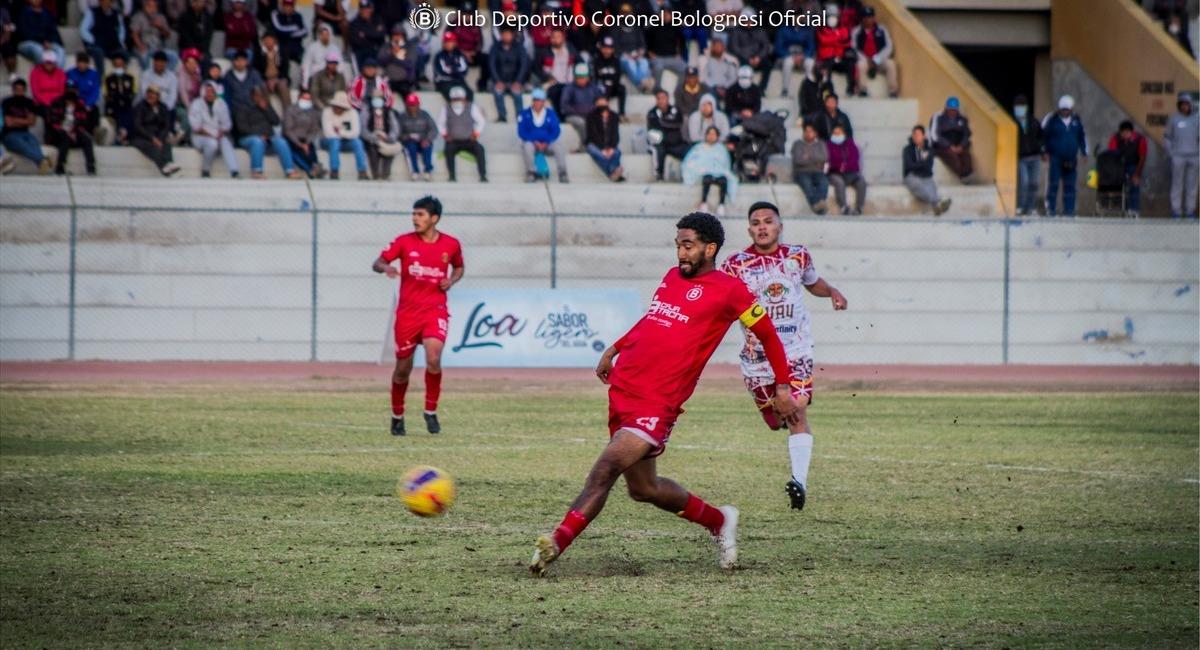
87, 84
1064, 140
786, 37
530, 132
38, 26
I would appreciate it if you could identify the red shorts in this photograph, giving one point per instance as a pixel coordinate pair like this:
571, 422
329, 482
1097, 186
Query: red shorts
650, 422
411, 330
763, 390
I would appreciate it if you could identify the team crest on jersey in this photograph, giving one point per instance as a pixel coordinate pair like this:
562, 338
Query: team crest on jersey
695, 292
445, 258
775, 292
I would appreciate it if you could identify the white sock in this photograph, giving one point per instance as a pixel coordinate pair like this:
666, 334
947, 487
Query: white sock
800, 450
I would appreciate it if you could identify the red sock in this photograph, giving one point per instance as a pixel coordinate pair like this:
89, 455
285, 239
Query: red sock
697, 511
569, 529
398, 391
433, 390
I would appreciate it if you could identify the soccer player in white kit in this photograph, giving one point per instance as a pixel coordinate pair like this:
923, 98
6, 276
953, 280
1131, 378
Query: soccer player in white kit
775, 273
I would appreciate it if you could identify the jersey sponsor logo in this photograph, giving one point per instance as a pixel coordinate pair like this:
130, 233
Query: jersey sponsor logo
419, 271
667, 310
695, 292
752, 315
781, 312
414, 254
486, 330
649, 423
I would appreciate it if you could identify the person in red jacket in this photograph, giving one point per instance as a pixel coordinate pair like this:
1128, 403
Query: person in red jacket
241, 32
47, 81
835, 52
1132, 147
845, 169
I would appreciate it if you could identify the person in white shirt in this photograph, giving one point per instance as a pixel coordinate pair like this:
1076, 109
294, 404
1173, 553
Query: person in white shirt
460, 124
342, 129
211, 125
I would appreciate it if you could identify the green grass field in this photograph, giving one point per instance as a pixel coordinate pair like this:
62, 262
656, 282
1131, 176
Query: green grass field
184, 515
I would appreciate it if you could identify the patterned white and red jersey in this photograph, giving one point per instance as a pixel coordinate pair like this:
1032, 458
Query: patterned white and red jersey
777, 280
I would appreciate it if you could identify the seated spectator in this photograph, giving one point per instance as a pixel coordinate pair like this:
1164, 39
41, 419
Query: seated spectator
190, 77
1066, 142
509, 67
469, 42
743, 95
709, 164
274, 66
420, 43
399, 64
367, 32
166, 81
328, 82
317, 54
1182, 142
706, 117
578, 100
608, 73
845, 169
450, 67
86, 80
1132, 147
831, 117
813, 90
630, 45
795, 47
151, 130
341, 127
1030, 149
603, 140
666, 49
417, 133
120, 91
950, 134
557, 64
212, 128
696, 34
239, 82
460, 124
20, 114
873, 45
1173, 14
381, 132
288, 28
150, 34
196, 26
331, 13
809, 160
303, 131
835, 52
689, 92
37, 33
47, 81
102, 31
69, 125
918, 172
752, 48
256, 124
367, 83
241, 33
718, 70
538, 128
664, 131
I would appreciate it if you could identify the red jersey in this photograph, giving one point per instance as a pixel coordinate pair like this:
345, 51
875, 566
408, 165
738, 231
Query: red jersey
422, 265
662, 356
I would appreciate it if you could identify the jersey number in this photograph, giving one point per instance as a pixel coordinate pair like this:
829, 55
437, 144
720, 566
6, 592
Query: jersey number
649, 423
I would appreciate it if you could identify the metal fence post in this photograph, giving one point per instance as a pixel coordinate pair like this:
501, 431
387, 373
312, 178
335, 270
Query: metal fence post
71, 273
1007, 287
312, 345
554, 250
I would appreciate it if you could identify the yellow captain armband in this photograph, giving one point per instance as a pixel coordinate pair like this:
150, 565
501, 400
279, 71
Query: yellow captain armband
752, 315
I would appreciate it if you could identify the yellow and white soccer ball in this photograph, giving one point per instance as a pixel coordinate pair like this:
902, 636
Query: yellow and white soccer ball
426, 491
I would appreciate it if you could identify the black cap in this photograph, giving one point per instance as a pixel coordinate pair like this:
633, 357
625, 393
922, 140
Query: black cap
240, 54
160, 56
868, 11
1020, 99
607, 41
370, 62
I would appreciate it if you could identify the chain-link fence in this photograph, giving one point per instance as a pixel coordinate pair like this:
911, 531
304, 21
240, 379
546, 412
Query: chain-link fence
132, 270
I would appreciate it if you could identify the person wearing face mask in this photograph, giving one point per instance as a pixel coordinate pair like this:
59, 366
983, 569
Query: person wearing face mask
1065, 142
743, 96
212, 125
342, 128
460, 124
69, 125
1030, 148
302, 130
120, 89
1182, 140
845, 169
381, 132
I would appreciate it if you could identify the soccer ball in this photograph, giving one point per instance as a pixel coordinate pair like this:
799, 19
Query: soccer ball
426, 491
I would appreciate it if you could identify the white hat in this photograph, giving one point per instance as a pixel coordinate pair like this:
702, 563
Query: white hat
745, 72
341, 100
458, 92
1067, 102
49, 57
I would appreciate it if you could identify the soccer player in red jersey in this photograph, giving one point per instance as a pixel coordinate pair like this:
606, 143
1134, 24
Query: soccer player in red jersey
660, 361
430, 263
779, 275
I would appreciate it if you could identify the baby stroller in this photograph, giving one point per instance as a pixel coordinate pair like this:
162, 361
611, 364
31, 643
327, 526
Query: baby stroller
1110, 184
761, 135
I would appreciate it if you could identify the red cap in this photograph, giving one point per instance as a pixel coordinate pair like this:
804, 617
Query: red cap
412, 100
449, 36
190, 53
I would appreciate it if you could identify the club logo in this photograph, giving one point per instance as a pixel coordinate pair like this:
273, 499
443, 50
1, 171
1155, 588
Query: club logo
775, 292
445, 258
424, 16
695, 292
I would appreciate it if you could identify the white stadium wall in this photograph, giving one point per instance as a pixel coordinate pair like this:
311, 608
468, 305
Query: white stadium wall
235, 281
